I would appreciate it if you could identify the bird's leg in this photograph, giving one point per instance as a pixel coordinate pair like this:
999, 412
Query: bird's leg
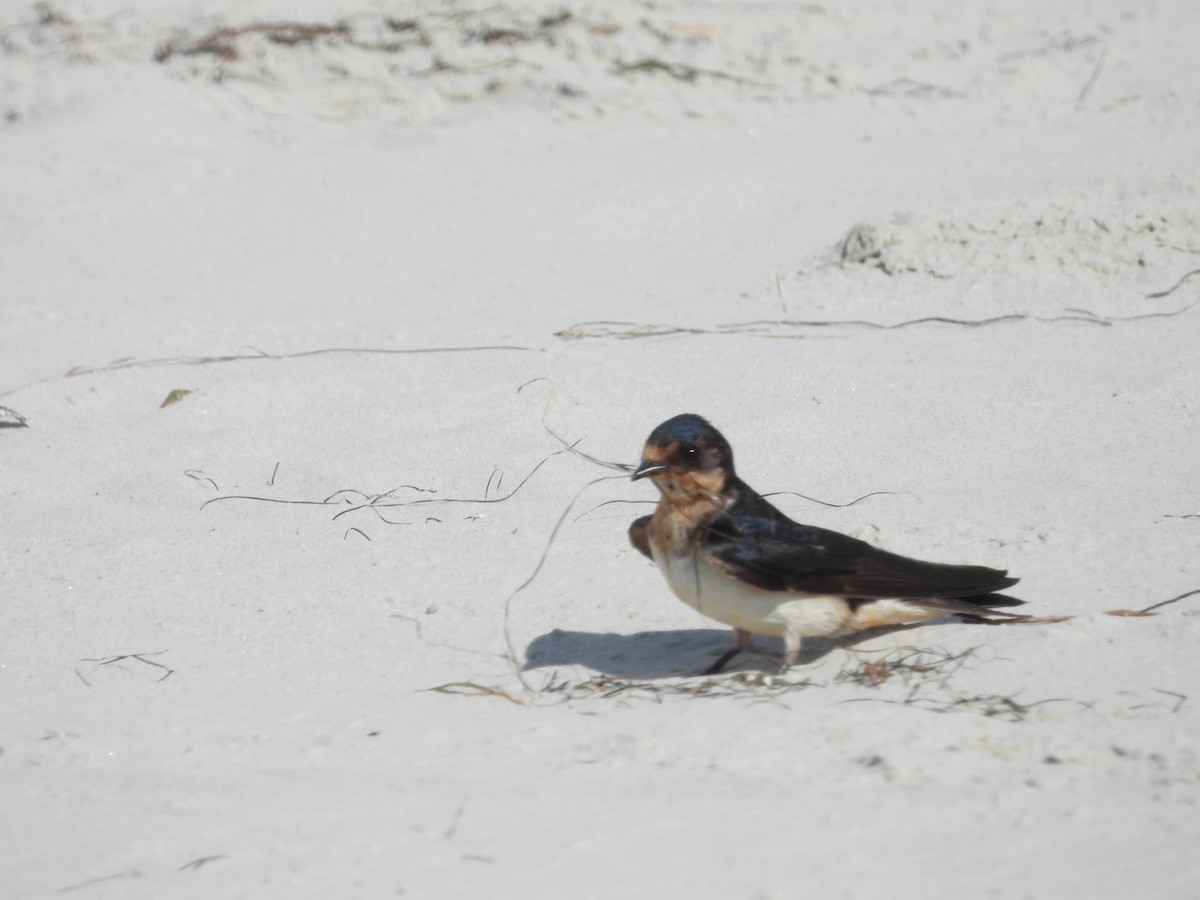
791, 650
741, 643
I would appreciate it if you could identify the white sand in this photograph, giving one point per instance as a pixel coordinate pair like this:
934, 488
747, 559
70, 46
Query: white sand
426, 176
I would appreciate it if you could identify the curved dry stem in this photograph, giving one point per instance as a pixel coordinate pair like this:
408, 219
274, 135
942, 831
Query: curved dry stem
571, 446
512, 651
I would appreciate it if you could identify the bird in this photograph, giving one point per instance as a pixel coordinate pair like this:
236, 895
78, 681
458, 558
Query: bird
728, 553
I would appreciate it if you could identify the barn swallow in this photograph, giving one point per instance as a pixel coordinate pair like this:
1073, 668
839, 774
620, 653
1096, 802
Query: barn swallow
728, 553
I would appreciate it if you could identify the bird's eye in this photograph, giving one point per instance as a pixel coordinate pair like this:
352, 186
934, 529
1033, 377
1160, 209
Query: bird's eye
691, 453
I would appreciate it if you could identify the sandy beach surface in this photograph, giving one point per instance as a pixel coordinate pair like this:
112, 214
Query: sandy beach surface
302, 595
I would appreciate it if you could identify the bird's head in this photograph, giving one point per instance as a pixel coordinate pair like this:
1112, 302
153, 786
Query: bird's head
687, 458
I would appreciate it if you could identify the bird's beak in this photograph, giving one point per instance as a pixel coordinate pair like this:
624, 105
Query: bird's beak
647, 467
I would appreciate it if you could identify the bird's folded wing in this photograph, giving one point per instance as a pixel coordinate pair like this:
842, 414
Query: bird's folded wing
639, 536
774, 553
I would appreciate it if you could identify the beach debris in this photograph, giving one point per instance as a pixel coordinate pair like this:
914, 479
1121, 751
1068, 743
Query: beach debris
10, 418
801, 328
473, 689
175, 396
222, 43
101, 662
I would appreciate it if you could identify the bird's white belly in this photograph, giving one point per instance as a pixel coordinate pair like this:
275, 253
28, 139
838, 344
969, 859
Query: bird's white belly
718, 596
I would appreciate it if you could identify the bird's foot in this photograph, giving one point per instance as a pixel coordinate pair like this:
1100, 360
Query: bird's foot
722, 661
791, 652
741, 643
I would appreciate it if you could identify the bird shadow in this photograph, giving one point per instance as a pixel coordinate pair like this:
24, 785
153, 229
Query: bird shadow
648, 655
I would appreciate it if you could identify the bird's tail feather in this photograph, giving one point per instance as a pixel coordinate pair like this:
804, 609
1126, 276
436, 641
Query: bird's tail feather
977, 608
